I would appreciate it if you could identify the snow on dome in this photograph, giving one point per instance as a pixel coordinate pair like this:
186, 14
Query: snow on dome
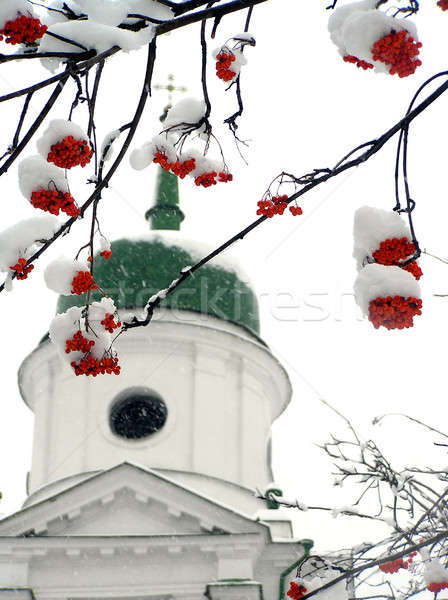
35, 174
142, 157
60, 273
22, 239
380, 281
107, 12
10, 9
197, 250
56, 131
92, 35
371, 227
187, 111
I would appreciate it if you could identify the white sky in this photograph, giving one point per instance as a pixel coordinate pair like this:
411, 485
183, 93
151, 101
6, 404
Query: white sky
305, 108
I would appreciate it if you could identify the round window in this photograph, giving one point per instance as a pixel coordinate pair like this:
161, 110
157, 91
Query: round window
137, 413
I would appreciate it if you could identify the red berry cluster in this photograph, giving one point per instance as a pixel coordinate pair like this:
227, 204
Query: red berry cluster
208, 179
394, 312
393, 566
224, 61
78, 343
276, 206
296, 591
53, 201
393, 251
21, 270
92, 366
106, 254
70, 153
181, 169
363, 64
83, 282
22, 30
399, 50
436, 587
443, 4
109, 323
296, 211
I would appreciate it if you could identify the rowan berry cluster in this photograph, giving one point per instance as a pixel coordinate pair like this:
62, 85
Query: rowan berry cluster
398, 49
208, 179
181, 169
436, 587
53, 201
394, 566
394, 312
78, 343
70, 152
276, 206
83, 282
109, 324
443, 4
106, 254
22, 271
296, 591
224, 61
363, 64
89, 365
21, 30
395, 250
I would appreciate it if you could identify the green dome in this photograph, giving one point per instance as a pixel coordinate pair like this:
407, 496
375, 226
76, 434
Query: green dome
140, 267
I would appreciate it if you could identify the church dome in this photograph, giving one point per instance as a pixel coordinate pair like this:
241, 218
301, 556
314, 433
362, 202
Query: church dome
140, 267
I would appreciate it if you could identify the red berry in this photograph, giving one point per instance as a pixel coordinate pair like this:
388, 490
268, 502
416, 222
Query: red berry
53, 201
296, 592
109, 323
106, 254
22, 30
394, 251
70, 152
399, 50
359, 63
21, 269
443, 4
83, 282
394, 312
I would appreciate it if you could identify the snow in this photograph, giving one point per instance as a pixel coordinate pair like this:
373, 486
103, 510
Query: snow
434, 572
380, 281
35, 174
93, 36
354, 28
187, 111
335, 592
149, 8
109, 139
9, 10
107, 12
204, 164
371, 227
65, 325
197, 250
23, 239
56, 131
246, 37
142, 157
59, 274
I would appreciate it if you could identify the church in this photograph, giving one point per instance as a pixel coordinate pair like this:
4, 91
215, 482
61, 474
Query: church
144, 486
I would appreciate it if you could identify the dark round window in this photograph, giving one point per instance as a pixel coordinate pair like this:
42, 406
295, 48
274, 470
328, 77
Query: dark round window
137, 413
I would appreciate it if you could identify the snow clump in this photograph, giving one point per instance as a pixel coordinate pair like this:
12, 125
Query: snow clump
36, 174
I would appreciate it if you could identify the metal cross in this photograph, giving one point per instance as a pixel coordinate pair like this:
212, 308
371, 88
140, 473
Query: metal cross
170, 88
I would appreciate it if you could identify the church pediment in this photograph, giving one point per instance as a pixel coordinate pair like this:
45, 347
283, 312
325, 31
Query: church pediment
127, 500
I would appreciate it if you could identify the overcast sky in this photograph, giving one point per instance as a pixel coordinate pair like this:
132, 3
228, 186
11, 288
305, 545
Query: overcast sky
304, 109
